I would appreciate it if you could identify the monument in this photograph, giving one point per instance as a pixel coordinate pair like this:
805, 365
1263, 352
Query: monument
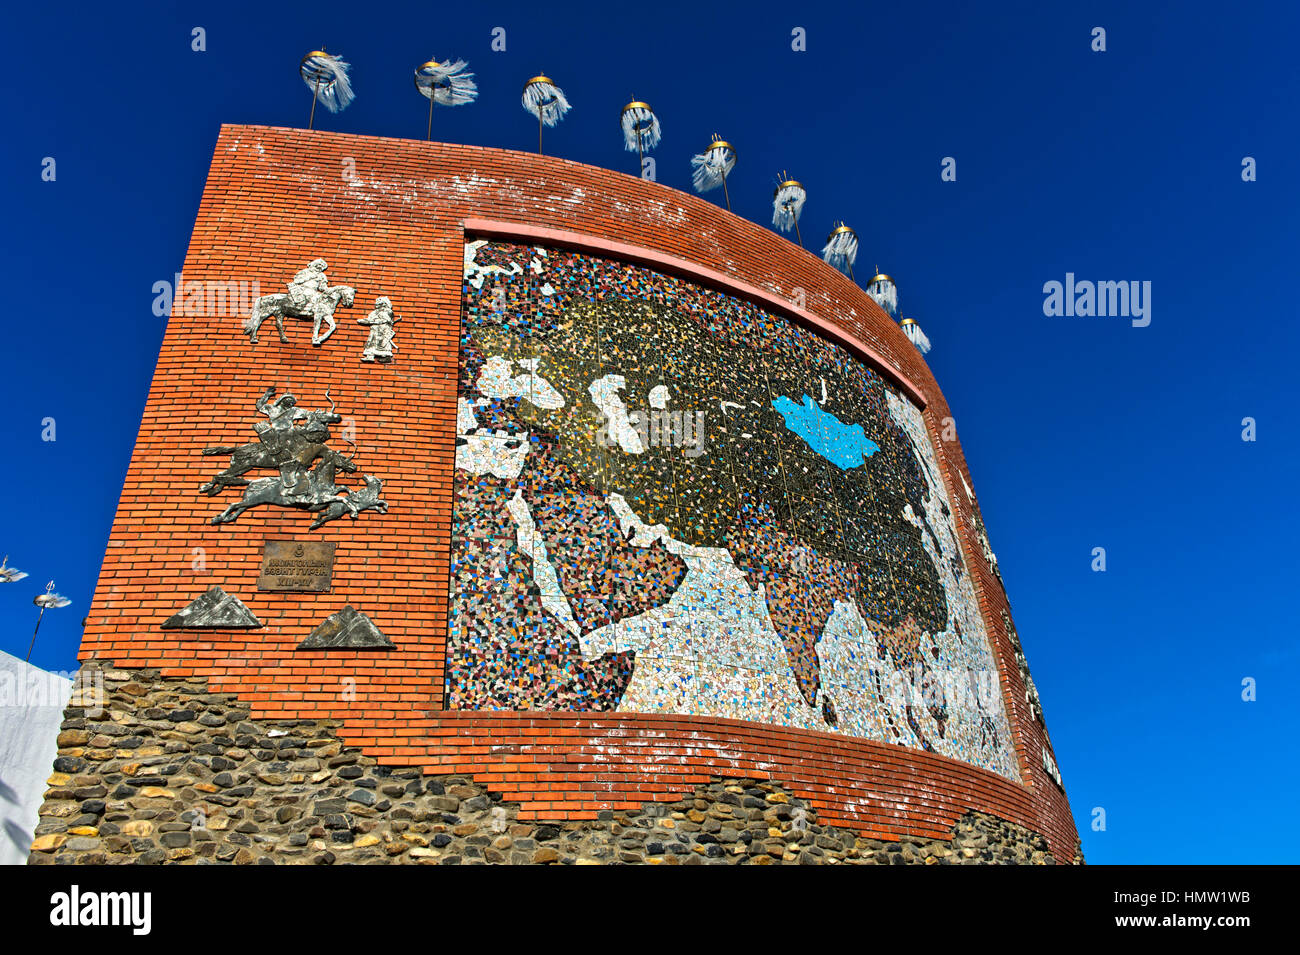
658, 548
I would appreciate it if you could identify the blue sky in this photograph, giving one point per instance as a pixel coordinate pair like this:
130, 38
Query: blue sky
1080, 432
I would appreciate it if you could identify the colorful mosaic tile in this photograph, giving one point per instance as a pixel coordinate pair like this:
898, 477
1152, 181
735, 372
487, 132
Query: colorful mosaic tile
669, 500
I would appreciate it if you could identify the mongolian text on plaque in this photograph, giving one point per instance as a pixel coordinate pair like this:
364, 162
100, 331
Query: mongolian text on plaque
297, 566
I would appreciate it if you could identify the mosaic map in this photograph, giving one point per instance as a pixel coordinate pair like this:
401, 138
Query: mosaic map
668, 500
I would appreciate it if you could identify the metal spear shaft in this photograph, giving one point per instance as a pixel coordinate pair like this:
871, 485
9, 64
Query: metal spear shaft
314, 93
34, 632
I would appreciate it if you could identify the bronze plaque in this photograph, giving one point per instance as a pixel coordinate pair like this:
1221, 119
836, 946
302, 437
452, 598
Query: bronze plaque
304, 566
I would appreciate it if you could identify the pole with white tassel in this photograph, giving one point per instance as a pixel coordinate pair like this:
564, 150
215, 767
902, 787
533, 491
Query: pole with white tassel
326, 76
884, 292
543, 99
445, 83
640, 130
711, 167
841, 249
787, 205
47, 599
915, 335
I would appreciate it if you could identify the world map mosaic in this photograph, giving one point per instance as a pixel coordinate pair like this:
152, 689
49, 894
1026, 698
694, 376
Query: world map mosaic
668, 500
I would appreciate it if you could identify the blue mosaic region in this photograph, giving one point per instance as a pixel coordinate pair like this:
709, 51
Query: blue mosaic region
845, 446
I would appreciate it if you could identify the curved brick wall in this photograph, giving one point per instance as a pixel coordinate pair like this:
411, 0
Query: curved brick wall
392, 217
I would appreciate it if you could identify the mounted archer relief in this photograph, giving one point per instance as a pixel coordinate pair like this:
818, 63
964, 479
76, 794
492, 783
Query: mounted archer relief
293, 442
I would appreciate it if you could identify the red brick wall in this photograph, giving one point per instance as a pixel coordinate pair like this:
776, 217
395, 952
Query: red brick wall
277, 198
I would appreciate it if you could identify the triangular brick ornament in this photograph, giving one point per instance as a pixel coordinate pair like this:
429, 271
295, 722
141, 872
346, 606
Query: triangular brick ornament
347, 630
215, 610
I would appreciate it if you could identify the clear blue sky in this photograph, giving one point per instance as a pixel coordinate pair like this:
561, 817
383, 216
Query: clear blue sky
1080, 432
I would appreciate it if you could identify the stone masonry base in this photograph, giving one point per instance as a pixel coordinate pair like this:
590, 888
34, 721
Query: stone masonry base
163, 771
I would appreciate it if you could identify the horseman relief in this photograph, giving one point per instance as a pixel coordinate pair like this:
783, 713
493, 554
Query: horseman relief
310, 297
294, 442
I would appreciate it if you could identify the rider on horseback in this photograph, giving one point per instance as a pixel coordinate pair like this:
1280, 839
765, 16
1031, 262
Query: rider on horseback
280, 444
307, 466
282, 413
309, 284
310, 296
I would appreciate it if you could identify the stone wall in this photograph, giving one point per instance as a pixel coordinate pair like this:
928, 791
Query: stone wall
160, 770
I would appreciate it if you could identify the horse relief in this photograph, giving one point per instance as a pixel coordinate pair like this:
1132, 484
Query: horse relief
293, 442
310, 297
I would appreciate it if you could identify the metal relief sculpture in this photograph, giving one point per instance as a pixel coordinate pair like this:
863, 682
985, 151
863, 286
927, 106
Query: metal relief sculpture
1022, 664
347, 630
310, 297
294, 442
989, 557
214, 610
1052, 770
379, 343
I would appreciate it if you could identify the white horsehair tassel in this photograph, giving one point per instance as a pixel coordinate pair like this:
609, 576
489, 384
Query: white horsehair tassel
544, 101
326, 75
787, 205
712, 166
885, 292
447, 84
640, 128
841, 249
915, 335
9, 575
